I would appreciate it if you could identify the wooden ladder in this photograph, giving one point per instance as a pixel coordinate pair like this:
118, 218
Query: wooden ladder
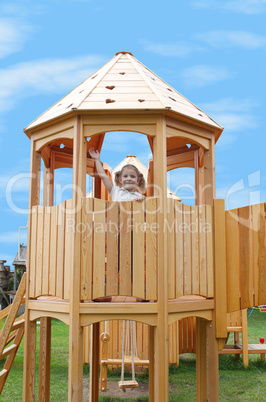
12, 330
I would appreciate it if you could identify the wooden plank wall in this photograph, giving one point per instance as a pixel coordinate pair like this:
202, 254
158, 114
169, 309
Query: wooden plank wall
119, 249
190, 250
51, 250
246, 257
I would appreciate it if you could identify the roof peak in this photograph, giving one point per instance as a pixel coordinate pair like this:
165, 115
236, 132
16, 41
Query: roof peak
124, 52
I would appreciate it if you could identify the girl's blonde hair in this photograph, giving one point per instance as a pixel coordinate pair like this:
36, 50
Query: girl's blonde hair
142, 182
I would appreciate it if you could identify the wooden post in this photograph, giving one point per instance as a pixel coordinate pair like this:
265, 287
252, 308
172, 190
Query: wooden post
75, 371
245, 337
48, 182
150, 189
151, 363
105, 339
220, 269
207, 361
30, 326
199, 178
209, 173
201, 361
45, 326
94, 364
206, 342
45, 359
161, 331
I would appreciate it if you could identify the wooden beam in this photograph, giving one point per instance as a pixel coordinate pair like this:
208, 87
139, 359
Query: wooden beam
209, 173
161, 331
30, 327
206, 361
94, 364
75, 373
220, 269
45, 359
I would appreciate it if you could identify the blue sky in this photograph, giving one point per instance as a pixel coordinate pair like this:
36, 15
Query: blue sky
212, 52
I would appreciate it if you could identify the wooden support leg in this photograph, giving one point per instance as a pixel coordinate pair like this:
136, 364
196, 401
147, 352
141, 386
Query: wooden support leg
161, 369
151, 364
103, 379
105, 338
245, 337
45, 359
207, 362
94, 365
75, 366
236, 342
201, 361
29, 361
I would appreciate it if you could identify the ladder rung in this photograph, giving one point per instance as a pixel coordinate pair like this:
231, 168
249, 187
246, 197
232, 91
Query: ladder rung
18, 324
3, 373
8, 350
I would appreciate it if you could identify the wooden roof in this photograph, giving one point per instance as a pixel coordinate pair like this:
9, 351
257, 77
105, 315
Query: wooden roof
124, 84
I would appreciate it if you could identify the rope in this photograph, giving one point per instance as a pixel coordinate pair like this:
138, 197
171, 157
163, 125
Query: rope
129, 336
123, 353
135, 340
132, 354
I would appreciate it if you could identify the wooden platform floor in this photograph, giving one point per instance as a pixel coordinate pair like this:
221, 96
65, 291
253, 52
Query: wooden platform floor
238, 349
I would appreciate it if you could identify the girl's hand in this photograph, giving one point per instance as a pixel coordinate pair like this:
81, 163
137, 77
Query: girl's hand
140, 198
94, 154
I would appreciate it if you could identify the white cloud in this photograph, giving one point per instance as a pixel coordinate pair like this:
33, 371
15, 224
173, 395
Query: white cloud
238, 6
13, 34
223, 39
179, 49
236, 122
46, 76
230, 104
202, 42
233, 114
199, 76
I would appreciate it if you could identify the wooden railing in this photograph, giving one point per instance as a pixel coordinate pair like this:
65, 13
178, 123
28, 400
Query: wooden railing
119, 249
246, 257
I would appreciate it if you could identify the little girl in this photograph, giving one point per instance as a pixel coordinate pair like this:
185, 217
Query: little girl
129, 182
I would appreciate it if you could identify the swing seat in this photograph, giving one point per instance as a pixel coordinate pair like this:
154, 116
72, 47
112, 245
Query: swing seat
128, 384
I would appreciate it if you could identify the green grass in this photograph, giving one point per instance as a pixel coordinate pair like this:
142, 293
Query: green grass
236, 382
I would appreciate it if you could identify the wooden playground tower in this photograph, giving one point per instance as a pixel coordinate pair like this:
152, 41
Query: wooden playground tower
187, 261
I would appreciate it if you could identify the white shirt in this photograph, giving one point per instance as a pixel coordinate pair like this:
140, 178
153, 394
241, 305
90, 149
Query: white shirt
121, 194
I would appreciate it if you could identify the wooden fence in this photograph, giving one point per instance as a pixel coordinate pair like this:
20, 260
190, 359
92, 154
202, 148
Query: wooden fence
245, 257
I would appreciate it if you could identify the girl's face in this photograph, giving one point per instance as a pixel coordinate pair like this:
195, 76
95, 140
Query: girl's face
129, 179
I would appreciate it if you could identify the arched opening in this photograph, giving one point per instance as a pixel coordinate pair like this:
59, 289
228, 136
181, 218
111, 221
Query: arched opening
185, 167
115, 148
181, 182
120, 342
